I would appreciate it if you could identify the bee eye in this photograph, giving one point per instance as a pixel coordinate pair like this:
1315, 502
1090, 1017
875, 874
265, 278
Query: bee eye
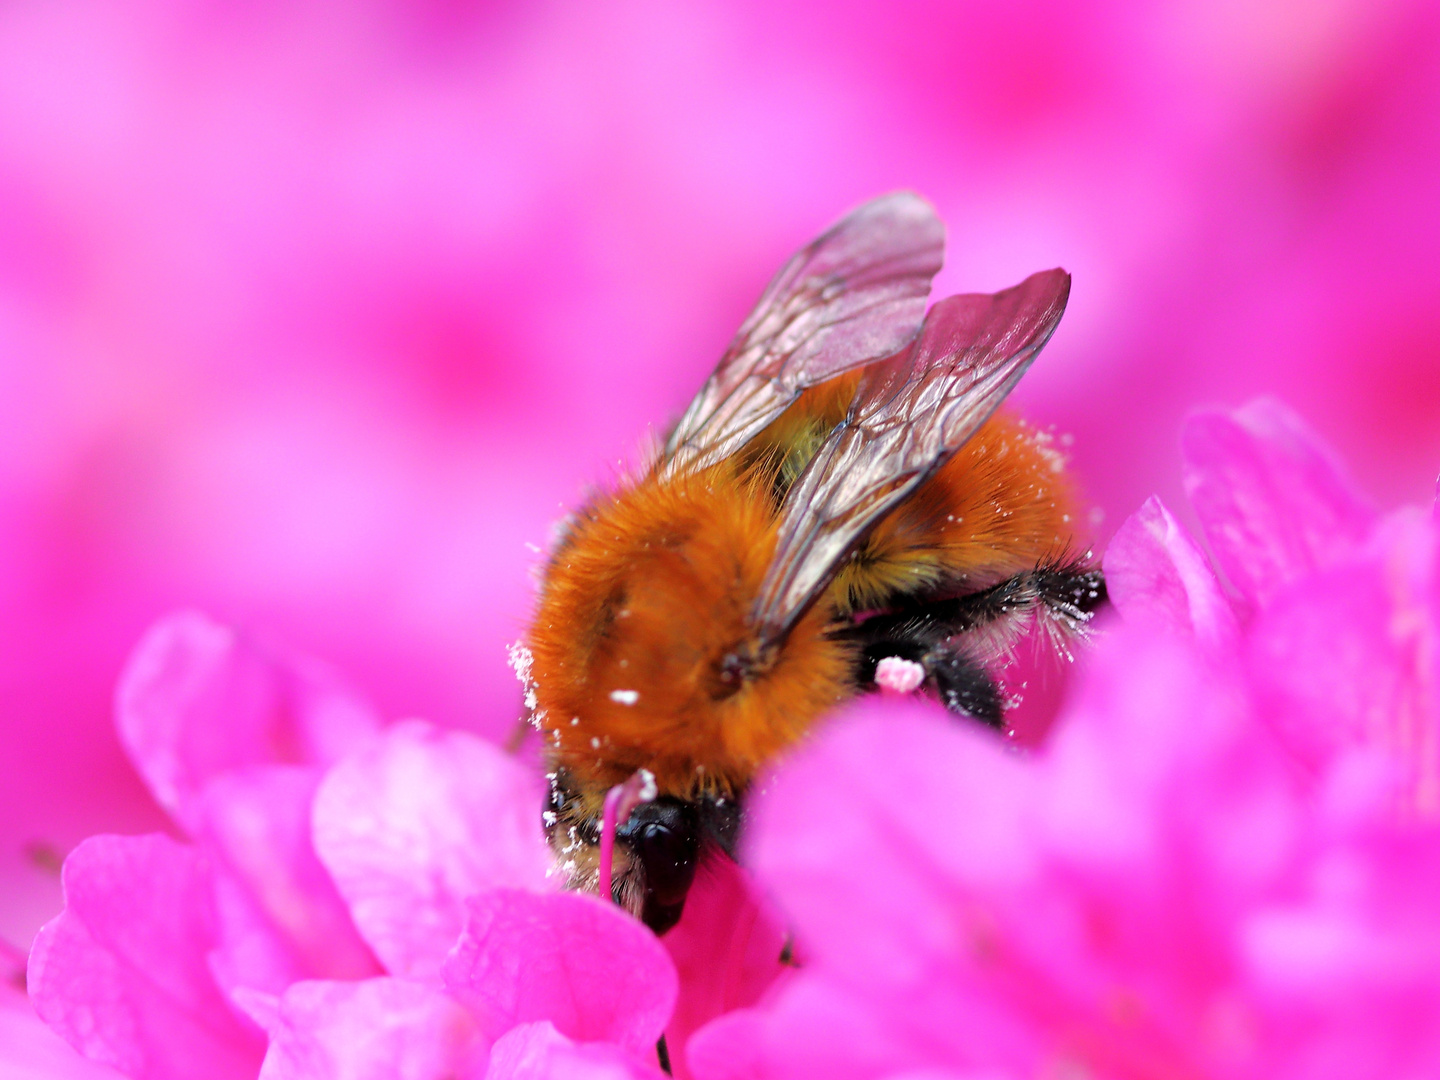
732, 669
732, 672
665, 837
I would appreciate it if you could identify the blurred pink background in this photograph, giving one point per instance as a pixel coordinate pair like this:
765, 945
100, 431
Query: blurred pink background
315, 315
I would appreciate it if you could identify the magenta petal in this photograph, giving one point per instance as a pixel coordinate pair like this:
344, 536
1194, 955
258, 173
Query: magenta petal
728, 1048
726, 949
813, 1027
1349, 658
1326, 667
31, 1051
1158, 577
1273, 499
970, 907
197, 699
538, 1052
122, 972
378, 1029
281, 917
588, 967
923, 818
888, 769
412, 825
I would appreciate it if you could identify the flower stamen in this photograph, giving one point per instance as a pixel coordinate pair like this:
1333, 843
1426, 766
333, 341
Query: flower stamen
620, 802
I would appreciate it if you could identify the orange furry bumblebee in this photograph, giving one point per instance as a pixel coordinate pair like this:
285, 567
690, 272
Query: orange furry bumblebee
841, 491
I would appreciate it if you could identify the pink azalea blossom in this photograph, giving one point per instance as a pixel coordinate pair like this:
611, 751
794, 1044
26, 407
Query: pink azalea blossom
314, 315
349, 900
1223, 863
1220, 865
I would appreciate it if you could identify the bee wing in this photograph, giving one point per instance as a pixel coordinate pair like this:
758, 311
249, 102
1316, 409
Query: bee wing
911, 414
854, 295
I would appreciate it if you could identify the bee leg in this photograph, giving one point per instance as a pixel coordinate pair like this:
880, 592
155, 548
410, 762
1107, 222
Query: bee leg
964, 687
961, 684
1074, 594
787, 952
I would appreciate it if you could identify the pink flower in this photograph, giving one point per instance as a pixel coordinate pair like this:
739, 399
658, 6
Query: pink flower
1338, 604
314, 314
350, 900
1222, 864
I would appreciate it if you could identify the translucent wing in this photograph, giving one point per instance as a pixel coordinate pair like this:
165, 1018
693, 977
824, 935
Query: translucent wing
911, 414
854, 295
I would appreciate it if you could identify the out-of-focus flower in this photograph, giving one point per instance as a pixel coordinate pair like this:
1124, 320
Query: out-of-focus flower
349, 900
315, 314
727, 949
29, 1050
1339, 605
1223, 863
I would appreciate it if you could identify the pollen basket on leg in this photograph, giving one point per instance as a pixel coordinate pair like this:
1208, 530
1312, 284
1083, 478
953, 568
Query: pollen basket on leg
644, 656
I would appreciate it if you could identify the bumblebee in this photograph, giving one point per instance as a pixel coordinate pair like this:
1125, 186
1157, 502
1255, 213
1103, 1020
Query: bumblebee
841, 491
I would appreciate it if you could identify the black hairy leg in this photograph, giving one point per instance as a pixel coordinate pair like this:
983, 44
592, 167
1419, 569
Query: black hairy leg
924, 629
1070, 594
964, 687
961, 684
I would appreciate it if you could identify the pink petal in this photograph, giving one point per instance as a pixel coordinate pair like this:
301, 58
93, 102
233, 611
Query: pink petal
584, 965
538, 1052
281, 917
965, 908
726, 949
890, 768
813, 1027
31, 1051
921, 815
1351, 657
728, 1048
378, 1029
122, 973
1273, 499
1158, 577
1345, 970
411, 826
1325, 664
196, 699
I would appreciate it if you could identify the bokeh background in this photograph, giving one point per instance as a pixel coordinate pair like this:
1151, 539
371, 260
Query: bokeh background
316, 314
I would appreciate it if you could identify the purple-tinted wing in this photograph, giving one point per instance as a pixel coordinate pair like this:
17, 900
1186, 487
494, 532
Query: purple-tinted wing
854, 295
911, 414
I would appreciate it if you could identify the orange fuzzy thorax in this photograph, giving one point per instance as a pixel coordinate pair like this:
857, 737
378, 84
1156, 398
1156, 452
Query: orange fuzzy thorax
654, 586
640, 607
1002, 505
